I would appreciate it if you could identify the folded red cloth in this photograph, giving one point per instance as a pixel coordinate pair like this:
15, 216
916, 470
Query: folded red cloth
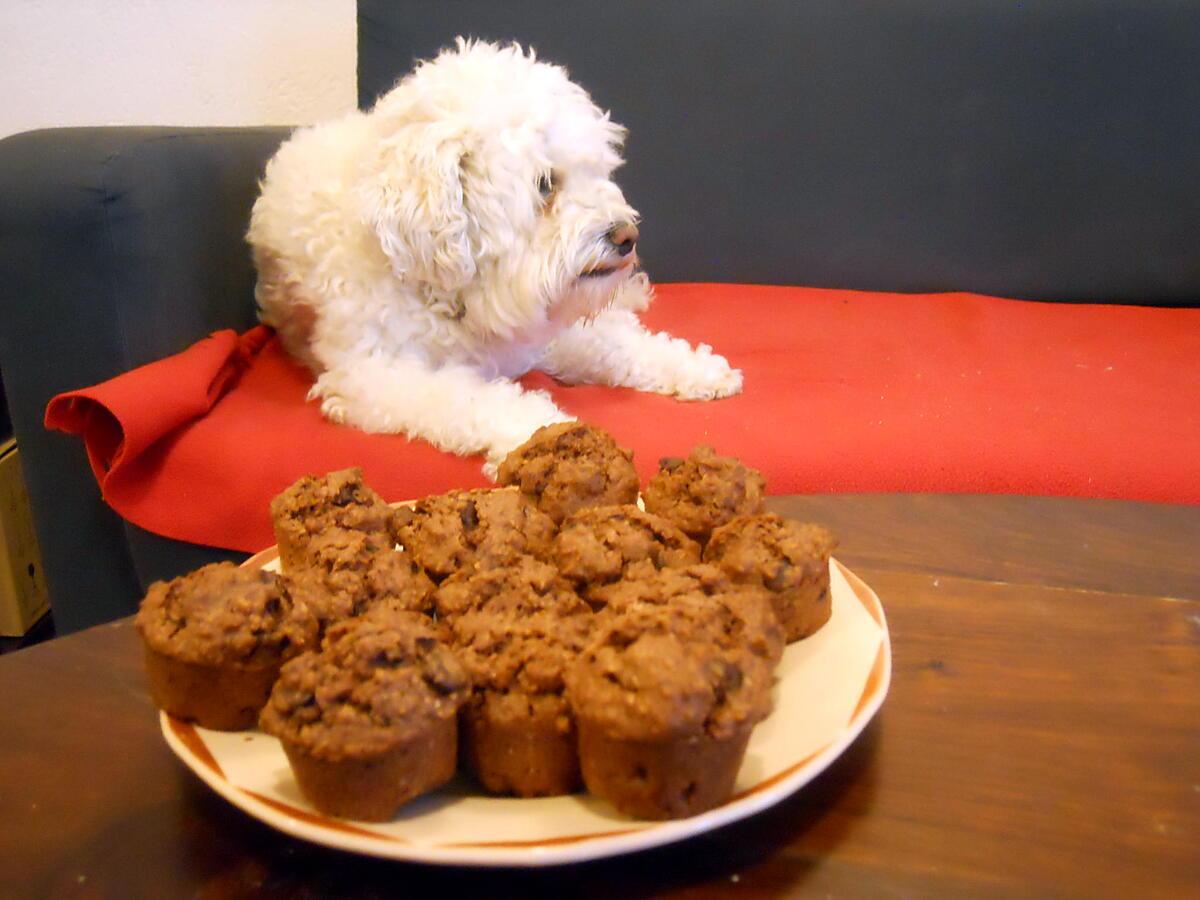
844, 392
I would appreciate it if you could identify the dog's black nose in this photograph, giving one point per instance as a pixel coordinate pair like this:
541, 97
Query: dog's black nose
623, 237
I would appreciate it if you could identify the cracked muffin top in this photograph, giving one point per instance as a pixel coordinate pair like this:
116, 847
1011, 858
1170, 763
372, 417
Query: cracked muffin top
395, 615
770, 551
314, 504
595, 546
704, 491
348, 571
570, 466
747, 609
660, 672
517, 648
480, 528
372, 686
526, 582
224, 614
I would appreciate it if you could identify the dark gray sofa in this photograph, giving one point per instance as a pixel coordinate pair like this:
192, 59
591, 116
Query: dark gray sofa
1043, 150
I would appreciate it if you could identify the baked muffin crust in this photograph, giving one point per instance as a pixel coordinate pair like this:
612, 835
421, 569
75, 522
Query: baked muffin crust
213, 641
370, 721
596, 546
704, 491
570, 466
745, 610
521, 644
223, 614
519, 735
526, 581
788, 559
372, 685
665, 697
313, 505
480, 528
347, 571
659, 672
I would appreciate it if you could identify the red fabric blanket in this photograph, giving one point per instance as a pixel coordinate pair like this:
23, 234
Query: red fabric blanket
844, 392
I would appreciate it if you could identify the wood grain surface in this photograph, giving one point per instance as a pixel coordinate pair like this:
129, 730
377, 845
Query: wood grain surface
1041, 738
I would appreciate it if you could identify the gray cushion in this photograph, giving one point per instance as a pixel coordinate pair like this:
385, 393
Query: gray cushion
118, 246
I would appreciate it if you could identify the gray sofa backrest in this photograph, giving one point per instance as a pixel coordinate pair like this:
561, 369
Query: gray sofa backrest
1046, 149
118, 246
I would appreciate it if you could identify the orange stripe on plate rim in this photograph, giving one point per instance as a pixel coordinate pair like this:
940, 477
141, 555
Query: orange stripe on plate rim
186, 732
317, 819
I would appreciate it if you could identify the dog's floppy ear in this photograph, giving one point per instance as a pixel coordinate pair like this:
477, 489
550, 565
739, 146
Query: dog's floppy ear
412, 195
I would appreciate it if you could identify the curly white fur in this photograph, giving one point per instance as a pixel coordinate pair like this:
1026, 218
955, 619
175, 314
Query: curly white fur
464, 231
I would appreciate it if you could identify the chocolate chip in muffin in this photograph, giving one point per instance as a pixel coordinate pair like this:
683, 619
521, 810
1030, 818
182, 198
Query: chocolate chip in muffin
469, 516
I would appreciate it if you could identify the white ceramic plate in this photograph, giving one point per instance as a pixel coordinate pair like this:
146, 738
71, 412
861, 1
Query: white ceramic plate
830, 685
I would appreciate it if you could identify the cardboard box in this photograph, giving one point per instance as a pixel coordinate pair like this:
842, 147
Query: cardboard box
23, 596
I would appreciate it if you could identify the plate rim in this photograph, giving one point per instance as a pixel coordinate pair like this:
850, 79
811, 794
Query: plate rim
570, 849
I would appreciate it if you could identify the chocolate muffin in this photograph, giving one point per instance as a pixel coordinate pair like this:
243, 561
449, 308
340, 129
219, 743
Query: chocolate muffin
214, 640
392, 614
788, 559
701, 583
370, 721
595, 546
345, 572
518, 732
394, 577
480, 528
665, 698
537, 582
313, 505
704, 491
570, 466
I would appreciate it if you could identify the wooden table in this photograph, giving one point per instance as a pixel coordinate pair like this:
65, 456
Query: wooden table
1042, 737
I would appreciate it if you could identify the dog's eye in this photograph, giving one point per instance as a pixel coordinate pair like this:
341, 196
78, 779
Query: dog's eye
547, 184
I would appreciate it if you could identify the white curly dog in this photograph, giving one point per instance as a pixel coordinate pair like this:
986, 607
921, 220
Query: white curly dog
463, 232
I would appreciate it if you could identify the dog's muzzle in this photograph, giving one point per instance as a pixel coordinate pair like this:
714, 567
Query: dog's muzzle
622, 242
623, 238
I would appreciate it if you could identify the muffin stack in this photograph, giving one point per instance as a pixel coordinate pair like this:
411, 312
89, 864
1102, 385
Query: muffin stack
544, 636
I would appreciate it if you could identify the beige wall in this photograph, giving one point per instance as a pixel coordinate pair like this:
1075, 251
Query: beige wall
174, 62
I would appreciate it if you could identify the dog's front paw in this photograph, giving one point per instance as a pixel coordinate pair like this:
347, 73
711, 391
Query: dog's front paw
710, 377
